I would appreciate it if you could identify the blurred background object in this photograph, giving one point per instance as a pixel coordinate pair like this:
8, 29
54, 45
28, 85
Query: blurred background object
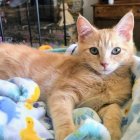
35, 22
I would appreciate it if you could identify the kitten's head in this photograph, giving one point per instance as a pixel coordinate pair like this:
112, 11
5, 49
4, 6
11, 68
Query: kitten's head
106, 50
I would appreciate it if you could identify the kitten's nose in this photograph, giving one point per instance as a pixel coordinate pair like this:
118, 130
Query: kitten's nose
104, 64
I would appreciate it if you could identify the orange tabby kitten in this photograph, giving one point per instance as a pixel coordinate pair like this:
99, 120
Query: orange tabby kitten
98, 75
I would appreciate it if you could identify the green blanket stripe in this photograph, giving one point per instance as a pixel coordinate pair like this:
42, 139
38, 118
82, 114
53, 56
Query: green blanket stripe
60, 50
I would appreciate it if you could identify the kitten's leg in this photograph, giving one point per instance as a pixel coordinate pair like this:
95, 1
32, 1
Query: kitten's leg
112, 117
61, 106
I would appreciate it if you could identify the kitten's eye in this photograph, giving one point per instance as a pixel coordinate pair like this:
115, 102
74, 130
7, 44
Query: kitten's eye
94, 50
116, 51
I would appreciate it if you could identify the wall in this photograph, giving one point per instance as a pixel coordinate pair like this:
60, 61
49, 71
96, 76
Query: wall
87, 9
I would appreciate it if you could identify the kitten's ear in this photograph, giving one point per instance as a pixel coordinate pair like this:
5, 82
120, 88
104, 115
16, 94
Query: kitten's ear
84, 28
125, 26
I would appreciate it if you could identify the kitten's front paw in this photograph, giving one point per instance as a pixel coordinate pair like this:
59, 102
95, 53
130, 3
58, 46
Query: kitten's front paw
115, 134
63, 133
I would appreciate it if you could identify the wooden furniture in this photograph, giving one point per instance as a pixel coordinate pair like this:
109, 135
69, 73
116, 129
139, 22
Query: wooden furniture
105, 15
126, 1
120, 1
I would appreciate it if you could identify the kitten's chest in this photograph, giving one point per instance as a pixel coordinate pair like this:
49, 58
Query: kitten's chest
118, 83
110, 89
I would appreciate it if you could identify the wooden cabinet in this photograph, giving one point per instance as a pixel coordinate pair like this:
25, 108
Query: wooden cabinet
105, 15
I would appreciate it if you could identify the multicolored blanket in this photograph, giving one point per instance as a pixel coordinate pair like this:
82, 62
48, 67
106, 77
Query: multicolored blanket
19, 119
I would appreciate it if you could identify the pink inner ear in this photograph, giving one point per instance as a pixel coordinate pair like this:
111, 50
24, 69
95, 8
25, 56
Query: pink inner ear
126, 34
83, 27
125, 26
84, 31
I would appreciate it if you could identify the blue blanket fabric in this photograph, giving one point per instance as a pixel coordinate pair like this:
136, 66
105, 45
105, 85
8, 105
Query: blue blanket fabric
19, 119
89, 126
131, 129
